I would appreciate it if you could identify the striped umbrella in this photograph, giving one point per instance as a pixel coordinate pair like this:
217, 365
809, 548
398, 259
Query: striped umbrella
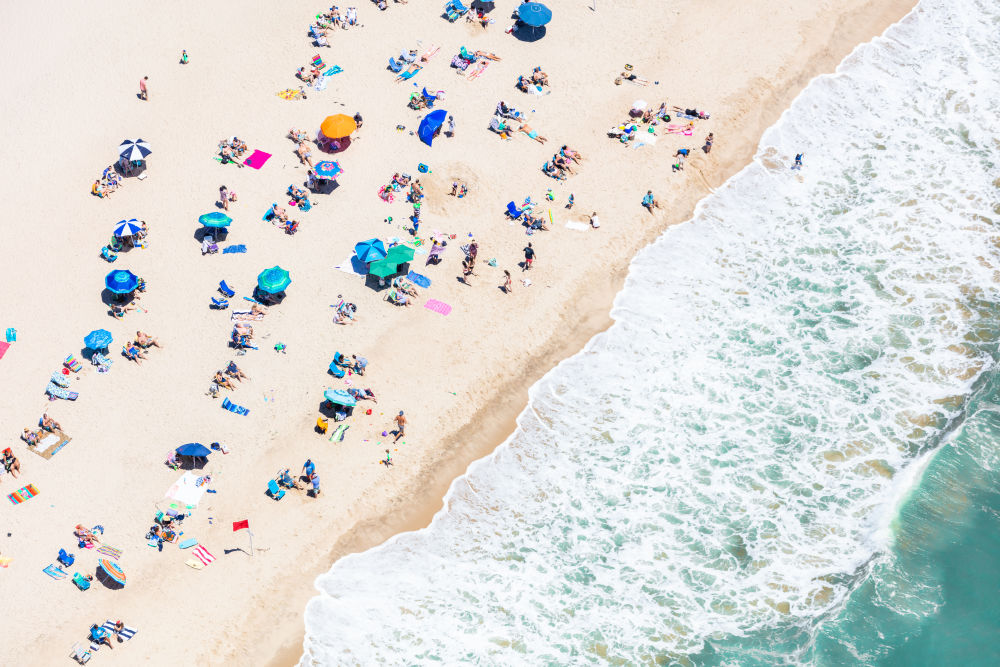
127, 227
328, 169
273, 280
134, 150
113, 570
215, 219
121, 281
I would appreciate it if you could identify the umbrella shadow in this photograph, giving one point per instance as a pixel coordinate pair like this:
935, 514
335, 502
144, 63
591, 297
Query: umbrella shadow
108, 582
109, 298
217, 233
525, 33
235, 549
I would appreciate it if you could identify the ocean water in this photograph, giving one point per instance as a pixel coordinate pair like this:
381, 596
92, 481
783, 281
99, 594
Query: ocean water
785, 450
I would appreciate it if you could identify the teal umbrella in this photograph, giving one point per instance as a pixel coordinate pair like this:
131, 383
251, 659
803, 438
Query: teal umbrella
215, 219
382, 268
273, 280
340, 397
398, 254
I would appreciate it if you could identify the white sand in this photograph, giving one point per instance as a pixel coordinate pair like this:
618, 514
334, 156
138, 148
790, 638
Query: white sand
71, 80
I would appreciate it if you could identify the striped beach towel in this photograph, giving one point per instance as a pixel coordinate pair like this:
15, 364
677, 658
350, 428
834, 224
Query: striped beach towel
126, 634
201, 553
22, 494
110, 551
55, 571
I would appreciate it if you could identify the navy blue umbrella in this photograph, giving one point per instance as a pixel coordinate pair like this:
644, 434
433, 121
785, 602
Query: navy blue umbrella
121, 281
98, 339
193, 449
430, 124
534, 14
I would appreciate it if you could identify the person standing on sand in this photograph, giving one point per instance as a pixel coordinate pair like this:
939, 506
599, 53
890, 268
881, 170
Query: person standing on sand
400, 420
224, 197
709, 140
798, 161
314, 479
507, 282
143, 90
529, 257
594, 222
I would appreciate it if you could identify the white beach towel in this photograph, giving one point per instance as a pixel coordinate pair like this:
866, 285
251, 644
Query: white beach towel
578, 226
186, 490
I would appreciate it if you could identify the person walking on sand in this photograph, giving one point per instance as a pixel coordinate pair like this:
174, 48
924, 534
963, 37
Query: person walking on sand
314, 480
451, 127
798, 161
143, 90
508, 284
529, 257
709, 140
400, 420
467, 270
388, 459
224, 197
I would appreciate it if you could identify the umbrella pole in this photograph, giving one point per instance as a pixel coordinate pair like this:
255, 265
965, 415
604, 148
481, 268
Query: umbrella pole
251, 542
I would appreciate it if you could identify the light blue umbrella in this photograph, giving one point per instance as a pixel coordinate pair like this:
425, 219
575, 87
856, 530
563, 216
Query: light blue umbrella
273, 280
340, 397
98, 339
121, 281
327, 169
371, 250
215, 219
534, 14
127, 227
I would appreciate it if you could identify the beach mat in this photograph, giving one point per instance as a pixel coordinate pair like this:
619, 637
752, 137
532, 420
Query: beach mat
234, 248
437, 306
22, 494
55, 571
188, 543
257, 159
418, 279
233, 407
336, 69
109, 551
578, 226
50, 445
3, 348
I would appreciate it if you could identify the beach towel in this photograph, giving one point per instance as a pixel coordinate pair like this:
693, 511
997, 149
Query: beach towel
232, 407
234, 248
201, 553
55, 571
437, 306
578, 226
3, 349
338, 435
257, 159
109, 551
245, 316
320, 83
54, 390
102, 362
186, 490
418, 279
478, 71
10, 335
289, 94
126, 632
336, 69
50, 445
22, 494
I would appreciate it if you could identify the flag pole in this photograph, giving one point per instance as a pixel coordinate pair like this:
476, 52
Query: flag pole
251, 542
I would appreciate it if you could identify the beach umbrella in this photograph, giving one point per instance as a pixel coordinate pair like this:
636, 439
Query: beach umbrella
371, 250
382, 268
338, 126
215, 219
340, 397
127, 227
484, 6
327, 169
98, 339
113, 570
273, 280
399, 254
193, 449
134, 150
534, 14
640, 105
121, 281
430, 124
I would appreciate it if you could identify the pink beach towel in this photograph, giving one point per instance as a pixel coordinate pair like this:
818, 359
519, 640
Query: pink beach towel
257, 159
201, 553
437, 306
3, 349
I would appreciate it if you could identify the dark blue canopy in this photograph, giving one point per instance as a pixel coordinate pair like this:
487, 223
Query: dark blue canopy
430, 124
193, 449
121, 281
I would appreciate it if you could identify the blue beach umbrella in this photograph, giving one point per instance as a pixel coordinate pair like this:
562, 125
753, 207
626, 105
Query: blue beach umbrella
327, 169
340, 397
534, 14
371, 250
430, 124
121, 281
134, 150
193, 449
98, 339
127, 227
215, 219
273, 280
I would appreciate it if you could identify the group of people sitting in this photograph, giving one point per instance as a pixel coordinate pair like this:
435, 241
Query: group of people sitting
284, 478
46, 424
346, 313
224, 378
231, 149
537, 79
464, 58
107, 183
134, 350
561, 163
332, 18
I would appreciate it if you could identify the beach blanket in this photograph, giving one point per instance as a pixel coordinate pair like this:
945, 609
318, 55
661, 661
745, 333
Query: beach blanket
320, 83
679, 129
437, 306
289, 94
336, 69
257, 159
418, 279
578, 226
22, 494
186, 490
3, 349
49, 445
55, 571
188, 543
109, 626
201, 553
109, 551
478, 70
353, 265
245, 316
234, 248
339, 434
232, 407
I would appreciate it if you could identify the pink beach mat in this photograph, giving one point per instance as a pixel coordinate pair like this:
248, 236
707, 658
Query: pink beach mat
437, 306
3, 349
257, 159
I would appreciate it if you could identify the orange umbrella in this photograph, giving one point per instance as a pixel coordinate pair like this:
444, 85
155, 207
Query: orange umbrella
335, 127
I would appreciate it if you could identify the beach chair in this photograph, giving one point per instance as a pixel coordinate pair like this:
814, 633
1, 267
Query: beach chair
226, 290
219, 304
341, 360
513, 212
336, 371
455, 10
394, 66
465, 55
108, 255
81, 581
55, 391
116, 244
66, 559
80, 654
276, 491
317, 62
396, 298
72, 364
430, 99
102, 362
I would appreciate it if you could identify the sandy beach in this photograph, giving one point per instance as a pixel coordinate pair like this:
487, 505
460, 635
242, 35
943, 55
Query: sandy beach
460, 378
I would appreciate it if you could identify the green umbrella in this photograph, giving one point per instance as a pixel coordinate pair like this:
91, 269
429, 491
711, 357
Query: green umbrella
215, 219
382, 268
273, 280
399, 254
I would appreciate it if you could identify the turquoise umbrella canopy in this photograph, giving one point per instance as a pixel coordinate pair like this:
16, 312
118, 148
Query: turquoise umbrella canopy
215, 219
98, 339
273, 280
340, 397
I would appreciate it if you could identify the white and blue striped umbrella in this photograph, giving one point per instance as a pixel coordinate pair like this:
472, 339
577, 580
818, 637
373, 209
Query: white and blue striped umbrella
127, 227
134, 150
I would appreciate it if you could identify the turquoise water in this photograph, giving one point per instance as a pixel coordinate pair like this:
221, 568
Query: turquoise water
783, 451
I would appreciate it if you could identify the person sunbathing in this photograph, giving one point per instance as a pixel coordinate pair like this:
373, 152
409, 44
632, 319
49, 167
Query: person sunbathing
85, 535
413, 69
404, 286
304, 154
571, 154
98, 190
540, 77
362, 395
562, 163
485, 54
298, 136
280, 213
532, 133
49, 424
627, 76
10, 463
297, 193
227, 156
133, 353
239, 146
221, 380
243, 329
553, 171
258, 309
146, 341
30, 437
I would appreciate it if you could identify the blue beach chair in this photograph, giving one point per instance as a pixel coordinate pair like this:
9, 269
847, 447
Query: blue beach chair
513, 212
66, 558
394, 66
226, 290
276, 492
219, 304
455, 10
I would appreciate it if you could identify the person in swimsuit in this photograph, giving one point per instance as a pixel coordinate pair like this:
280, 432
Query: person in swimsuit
709, 140
508, 284
532, 133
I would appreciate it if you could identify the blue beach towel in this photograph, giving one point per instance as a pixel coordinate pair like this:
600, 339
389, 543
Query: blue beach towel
234, 248
336, 69
232, 407
417, 279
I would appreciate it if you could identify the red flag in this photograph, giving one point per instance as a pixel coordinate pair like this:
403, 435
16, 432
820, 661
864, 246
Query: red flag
240, 525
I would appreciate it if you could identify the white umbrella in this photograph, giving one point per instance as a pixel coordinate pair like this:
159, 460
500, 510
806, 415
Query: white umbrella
134, 150
127, 227
640, 105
